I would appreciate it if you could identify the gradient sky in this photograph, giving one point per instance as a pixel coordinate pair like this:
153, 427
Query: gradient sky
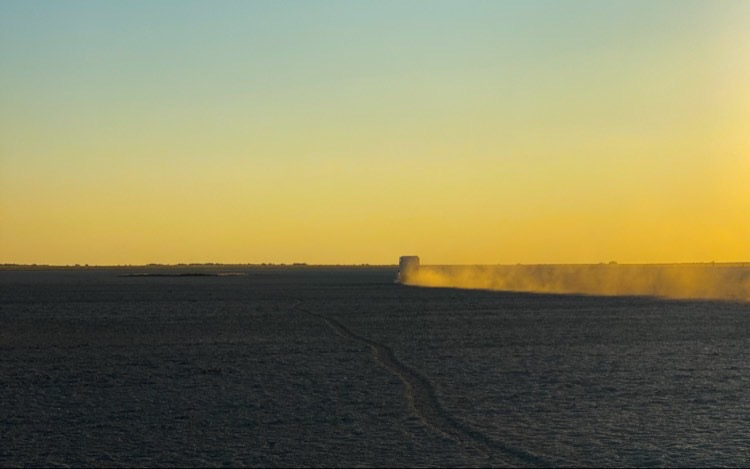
354, 132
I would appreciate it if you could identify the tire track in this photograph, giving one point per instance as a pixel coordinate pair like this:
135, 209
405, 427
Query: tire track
423, 403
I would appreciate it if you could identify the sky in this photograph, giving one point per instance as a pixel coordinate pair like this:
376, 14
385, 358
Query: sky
348, 132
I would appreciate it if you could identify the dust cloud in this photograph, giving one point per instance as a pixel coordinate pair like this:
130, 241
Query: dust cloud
688, 281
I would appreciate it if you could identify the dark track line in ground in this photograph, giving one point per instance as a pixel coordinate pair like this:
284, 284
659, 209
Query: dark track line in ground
423, 403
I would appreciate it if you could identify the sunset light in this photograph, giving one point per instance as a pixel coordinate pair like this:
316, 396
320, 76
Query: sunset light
350, 132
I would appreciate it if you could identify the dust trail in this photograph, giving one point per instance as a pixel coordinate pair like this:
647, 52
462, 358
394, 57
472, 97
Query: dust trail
729, 282
423, 403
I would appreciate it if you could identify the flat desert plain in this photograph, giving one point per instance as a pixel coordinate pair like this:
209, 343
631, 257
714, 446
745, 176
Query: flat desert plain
340, 366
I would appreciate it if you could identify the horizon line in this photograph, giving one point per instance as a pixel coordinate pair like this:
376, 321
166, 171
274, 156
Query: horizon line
13, 265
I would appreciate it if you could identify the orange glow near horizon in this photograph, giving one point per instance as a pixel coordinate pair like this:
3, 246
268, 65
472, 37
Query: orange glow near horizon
490, 133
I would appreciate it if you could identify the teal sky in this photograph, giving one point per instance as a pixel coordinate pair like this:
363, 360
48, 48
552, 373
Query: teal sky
316, 117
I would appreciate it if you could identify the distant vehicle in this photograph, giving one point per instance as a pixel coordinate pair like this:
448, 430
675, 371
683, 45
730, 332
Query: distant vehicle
407, 265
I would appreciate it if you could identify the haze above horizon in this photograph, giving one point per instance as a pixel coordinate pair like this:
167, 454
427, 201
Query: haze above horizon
333, 132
